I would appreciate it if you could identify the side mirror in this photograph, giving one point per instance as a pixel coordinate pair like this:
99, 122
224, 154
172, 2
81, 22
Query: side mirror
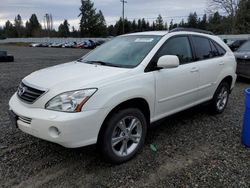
168, 61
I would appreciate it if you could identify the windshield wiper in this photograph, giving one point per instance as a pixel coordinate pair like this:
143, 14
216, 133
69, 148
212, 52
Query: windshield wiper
102, 63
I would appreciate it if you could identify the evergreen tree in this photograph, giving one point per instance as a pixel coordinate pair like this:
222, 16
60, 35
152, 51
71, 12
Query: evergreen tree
111, 30
19, 28
9, 30
203, 22
92, 24
63, 29
139, 25
74, 32
143, 25
159, 23
192, 20
119, 27
134, 26
243, 17
100, 28
33, 27
171, 25
182, 24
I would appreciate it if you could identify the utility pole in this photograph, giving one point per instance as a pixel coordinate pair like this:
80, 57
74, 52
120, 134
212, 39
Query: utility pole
123, 19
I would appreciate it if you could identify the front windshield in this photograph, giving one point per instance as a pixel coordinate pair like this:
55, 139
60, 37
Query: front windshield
123, 51
245, 47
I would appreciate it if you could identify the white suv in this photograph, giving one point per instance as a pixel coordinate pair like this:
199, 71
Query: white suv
111, 95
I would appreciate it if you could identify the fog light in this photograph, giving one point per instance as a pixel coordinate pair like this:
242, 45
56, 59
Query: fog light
54, 132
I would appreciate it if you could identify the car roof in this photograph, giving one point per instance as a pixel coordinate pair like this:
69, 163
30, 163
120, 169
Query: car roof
163, 33
159, 33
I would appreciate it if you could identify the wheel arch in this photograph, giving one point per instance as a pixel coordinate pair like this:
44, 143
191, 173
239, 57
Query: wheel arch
229, 80
139, 103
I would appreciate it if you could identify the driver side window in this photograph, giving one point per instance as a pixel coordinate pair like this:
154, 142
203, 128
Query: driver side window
179, 46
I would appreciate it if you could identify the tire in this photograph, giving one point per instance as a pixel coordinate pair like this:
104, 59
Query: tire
220, 99
115, 138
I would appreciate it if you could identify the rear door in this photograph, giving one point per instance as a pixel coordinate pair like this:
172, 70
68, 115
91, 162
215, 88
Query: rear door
210, 63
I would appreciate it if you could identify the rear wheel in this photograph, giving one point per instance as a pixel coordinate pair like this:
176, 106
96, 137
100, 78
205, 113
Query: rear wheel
220, 99
124, 135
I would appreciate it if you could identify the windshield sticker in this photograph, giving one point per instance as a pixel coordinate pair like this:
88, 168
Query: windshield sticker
144, 40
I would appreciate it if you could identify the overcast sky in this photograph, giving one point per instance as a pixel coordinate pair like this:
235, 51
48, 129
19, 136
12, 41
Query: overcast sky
112, 9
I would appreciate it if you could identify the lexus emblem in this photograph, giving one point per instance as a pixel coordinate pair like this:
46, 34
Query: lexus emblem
21, 91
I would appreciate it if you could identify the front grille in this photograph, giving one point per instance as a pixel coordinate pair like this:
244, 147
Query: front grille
28, 94
25, 119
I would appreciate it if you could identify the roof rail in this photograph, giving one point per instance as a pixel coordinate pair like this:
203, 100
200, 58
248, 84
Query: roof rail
178, 29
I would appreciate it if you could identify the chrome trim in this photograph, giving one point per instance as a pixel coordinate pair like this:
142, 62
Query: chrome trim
25, 119
34, 87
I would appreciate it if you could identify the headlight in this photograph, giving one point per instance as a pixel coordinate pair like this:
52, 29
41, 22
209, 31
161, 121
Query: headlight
71, 101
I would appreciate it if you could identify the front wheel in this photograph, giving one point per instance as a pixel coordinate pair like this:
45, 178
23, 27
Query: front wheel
220, 99
124, 135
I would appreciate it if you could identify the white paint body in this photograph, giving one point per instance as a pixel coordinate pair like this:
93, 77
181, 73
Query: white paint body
167, 91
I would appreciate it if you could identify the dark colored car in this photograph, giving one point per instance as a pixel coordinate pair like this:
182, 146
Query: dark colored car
236, 44
243, 60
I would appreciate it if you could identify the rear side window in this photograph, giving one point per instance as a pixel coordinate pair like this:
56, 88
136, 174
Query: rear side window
202, 48
179, 46
221, 51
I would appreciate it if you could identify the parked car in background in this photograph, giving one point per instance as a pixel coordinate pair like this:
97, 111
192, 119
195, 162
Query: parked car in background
89, 44
112, 95
57, 45
68, 45
34, 45
236, 44
243, 60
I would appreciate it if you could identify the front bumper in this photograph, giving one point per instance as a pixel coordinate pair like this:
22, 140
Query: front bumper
67, 129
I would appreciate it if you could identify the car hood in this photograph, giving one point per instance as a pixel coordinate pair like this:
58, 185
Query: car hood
74, 75
242, 55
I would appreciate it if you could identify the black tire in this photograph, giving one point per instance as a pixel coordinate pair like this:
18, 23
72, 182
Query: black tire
217, 104
112, 125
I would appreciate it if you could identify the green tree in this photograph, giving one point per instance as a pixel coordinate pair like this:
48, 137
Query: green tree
33, 27
139, 25
18, 24
192, 20
215, 23
74, 32
143, 25
63, 29
171, 25
203, 23
159, 23
134, 26
9, 30
119, 27
100, 27
92, 24
243, 17
111, 30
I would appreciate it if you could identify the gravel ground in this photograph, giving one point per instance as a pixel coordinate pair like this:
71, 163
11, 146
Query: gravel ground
194, 149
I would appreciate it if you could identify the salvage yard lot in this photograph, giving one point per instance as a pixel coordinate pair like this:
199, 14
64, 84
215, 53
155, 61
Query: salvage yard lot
194, 149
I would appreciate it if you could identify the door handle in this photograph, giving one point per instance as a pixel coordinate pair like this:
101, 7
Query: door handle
194, 69
222, 63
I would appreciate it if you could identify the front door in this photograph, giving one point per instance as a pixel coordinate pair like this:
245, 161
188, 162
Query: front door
176, 88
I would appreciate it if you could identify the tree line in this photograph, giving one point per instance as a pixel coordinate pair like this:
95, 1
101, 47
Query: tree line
220, 20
